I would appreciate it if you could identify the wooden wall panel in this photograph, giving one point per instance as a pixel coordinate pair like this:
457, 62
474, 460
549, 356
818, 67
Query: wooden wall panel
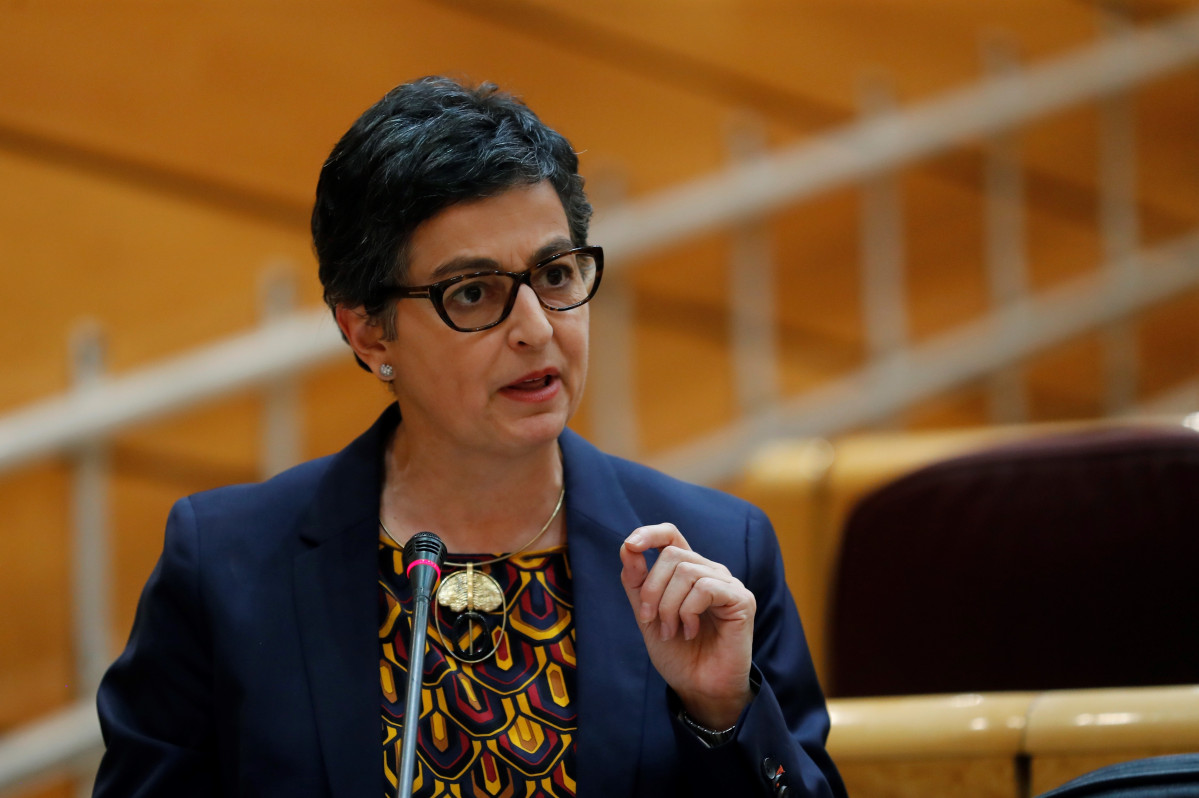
1049, 772
253, 96
158, 274
35, 665
977, 777
1168, 344
816, 52
55, 788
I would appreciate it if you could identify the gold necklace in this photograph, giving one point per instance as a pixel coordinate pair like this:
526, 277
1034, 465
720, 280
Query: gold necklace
467, 592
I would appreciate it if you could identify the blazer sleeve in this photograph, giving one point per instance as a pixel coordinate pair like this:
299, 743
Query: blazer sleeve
779, 745
155, 702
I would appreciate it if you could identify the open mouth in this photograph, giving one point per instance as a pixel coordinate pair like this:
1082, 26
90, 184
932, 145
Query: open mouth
535, 384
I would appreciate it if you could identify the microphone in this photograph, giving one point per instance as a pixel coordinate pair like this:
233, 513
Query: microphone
423, 554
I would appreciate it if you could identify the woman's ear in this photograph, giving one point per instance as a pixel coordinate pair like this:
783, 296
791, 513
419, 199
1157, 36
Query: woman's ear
365, 337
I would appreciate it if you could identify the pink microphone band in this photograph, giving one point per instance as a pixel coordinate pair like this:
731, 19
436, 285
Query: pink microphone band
430, 563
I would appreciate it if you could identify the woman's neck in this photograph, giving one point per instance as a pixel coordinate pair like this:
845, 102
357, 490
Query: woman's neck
476, 502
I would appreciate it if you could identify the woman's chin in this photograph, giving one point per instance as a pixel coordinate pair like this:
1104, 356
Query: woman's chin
538, 430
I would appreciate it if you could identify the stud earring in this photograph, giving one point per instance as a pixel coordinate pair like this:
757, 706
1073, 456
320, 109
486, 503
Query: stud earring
386, 372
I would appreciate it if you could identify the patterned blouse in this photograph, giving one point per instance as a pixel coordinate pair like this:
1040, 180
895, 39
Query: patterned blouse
502, 727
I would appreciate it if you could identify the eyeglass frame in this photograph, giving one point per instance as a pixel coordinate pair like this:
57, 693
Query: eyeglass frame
435, 291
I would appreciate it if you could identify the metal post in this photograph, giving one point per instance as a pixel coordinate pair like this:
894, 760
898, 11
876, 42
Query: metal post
1006, 247
90, 521
91, 565
751, 291
612, 385
884, 298
1118, 221
280, 443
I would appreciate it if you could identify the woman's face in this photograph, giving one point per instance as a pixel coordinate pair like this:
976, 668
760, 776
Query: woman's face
512, 386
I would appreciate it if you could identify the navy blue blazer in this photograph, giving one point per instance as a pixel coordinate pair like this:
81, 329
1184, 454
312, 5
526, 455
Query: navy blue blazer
252, 667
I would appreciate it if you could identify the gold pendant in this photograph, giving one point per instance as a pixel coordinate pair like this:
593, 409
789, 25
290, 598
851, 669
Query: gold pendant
470, 590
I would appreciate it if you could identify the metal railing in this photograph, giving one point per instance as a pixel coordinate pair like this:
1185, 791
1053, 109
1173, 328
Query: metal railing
898, 373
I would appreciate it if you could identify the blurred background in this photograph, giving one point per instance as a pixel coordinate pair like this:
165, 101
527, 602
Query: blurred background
826, 222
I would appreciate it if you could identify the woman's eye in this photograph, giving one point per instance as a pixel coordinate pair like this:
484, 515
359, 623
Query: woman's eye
468, 293
556, 275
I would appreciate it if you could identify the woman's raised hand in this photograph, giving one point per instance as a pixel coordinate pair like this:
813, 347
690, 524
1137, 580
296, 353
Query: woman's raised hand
697, 621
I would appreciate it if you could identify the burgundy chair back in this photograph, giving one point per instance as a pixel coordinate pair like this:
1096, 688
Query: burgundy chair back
1069, 561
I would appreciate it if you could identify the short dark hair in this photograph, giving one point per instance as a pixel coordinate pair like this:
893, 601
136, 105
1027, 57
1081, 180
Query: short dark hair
425, 146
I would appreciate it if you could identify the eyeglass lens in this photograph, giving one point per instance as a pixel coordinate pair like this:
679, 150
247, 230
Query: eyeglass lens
480, 300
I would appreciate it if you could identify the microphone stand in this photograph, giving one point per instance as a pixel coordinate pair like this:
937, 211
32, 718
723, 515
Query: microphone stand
423, 554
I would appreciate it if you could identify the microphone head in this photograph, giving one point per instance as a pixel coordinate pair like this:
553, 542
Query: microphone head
424, 546
423, 554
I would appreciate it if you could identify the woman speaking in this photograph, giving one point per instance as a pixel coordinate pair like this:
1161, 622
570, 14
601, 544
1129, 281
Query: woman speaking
599, 629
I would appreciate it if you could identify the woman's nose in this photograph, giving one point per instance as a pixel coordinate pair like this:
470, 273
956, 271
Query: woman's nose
528, 323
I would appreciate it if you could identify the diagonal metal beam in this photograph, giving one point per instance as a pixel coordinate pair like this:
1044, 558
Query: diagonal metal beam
273, 352
880, 388
40, 749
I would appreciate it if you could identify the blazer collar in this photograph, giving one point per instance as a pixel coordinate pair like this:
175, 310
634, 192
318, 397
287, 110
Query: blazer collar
337, 605
336, 597
348, 494
613, 667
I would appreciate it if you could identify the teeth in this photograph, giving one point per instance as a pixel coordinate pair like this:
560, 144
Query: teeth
535, 382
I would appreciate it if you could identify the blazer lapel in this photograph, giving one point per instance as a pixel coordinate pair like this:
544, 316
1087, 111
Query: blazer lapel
613, 667
336, 584
337, 602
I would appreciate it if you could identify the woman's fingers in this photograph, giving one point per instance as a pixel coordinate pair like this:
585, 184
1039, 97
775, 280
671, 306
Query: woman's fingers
680, 587
697, 619
656, 536
635, 569
683, 587
728, 597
